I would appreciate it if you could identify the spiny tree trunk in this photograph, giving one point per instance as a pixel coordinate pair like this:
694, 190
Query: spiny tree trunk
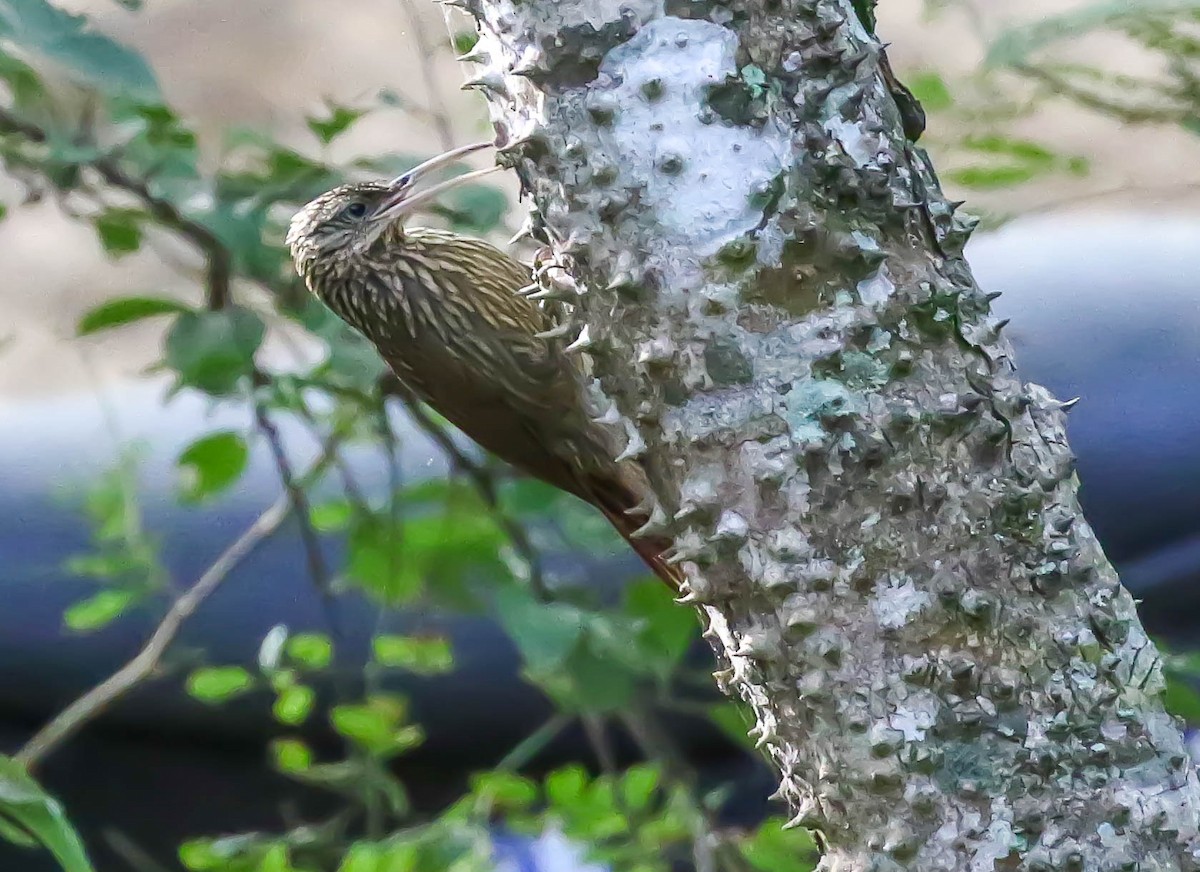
878, 519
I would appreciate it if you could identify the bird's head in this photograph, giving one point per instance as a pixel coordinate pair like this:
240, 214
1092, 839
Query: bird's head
350, 218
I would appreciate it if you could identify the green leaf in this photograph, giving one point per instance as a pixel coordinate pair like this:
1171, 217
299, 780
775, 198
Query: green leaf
126, 310
367, 726
378, 726
312, 650
464, 41
586, 528
329, 517
240, 223
565, 787
667, 630
338, 121
120, 230
98, 610
216, 684
160, 147
930, 90
772, 848
294, 704
1181, 699
638, 785
364, 857
377, 560
431, 551
291, 755
92, 57
528, 496
275, 860
198, 855
504, 791
423, 655
240, 853
25, 85
214, 351
545, 633
281, 679
352, 360
476, 209
25, 808
1023, 160
211, 464
1023, 150
266, 173
591, 682
987, 178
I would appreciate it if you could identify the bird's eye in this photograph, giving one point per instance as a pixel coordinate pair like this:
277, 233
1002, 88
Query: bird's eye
356, 209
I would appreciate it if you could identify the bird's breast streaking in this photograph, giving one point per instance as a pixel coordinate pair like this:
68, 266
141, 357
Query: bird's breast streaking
444, 312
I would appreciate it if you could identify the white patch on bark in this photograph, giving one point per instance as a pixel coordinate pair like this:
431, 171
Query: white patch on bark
897, 601
598, 13
698, 176
913, 722
876, 290
859, 145
1000, 840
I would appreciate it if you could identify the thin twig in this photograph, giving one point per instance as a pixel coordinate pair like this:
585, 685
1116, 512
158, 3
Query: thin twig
317, 568
373, 670
594, 729
131, 852
217, 256
1097, 103
528, 748
312, 544
656, 744
354, 492
425, 56
84, 709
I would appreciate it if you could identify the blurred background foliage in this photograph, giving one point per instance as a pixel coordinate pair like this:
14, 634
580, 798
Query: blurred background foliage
85, 124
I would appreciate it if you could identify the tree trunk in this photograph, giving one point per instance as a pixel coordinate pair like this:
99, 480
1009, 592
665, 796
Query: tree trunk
878, 519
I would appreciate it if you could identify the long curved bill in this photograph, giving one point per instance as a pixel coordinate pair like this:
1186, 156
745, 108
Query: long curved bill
402, 198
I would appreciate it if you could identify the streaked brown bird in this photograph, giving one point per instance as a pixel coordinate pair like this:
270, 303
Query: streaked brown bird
444, 311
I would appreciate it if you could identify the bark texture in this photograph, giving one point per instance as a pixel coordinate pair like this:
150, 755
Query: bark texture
878, 519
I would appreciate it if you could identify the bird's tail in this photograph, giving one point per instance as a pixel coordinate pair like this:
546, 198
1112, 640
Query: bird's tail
622, 505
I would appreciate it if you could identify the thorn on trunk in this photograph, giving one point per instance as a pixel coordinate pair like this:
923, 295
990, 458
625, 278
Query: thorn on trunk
582, 341
554, 332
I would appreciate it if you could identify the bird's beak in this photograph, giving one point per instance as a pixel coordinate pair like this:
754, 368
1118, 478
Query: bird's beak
402, 198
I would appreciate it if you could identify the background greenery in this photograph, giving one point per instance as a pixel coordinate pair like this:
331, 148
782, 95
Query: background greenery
118, 157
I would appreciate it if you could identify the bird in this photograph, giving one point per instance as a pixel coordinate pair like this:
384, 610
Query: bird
445, 313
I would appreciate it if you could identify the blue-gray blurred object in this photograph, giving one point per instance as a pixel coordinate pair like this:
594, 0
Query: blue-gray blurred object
1104, 309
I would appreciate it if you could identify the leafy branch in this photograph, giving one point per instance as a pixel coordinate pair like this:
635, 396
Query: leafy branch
85, 709
216, 255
